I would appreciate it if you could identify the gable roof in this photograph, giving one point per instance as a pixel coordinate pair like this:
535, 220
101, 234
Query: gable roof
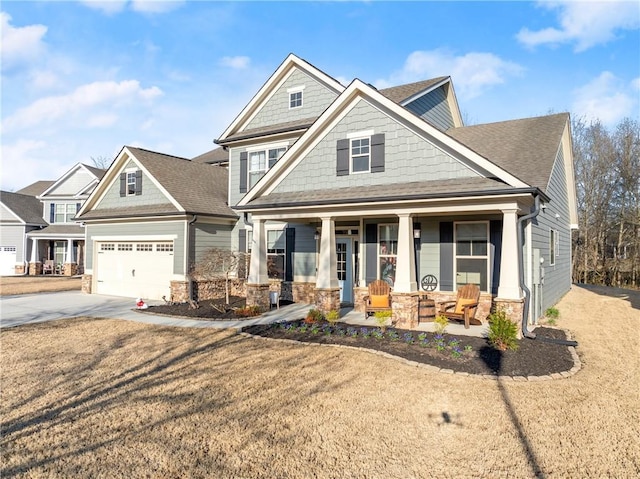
400, 93
214, 157
190, 187
26, 207
97, 173
37, 188
527, 147
260, 98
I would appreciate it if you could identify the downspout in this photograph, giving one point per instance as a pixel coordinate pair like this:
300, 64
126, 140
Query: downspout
190, 282
527, 292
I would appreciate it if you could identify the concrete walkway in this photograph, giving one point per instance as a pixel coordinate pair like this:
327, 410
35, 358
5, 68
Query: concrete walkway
34, 308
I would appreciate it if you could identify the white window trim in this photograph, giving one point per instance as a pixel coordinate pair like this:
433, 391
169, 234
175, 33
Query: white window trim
556, 246
263, 148
296, 89
455, 253
368, 170
378, 255
66, 214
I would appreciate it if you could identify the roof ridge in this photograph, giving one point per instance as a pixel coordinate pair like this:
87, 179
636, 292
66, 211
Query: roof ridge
156, 152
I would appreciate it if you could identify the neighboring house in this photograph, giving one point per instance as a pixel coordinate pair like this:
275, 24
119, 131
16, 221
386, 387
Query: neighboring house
339, 186
331, 187
150, 218
49, 240
19, 214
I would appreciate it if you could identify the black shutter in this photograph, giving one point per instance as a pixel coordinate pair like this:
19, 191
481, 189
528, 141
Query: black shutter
52, 212
342, 162
289, 247
244, 172
377, 153
495, 239
78, 206
371, 252
446, 256
138, 182
123, 184
417, 247
242, 241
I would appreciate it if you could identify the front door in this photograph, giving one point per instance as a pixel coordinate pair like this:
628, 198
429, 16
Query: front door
345, 269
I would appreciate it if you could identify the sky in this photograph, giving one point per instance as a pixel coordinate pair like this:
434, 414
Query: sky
82, 79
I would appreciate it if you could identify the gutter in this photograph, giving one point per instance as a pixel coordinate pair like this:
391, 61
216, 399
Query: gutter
188, 240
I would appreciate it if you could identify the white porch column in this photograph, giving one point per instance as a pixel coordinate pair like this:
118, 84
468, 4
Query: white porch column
327, 277
258, 267
34, 250
405, 263
69, 258
509, 287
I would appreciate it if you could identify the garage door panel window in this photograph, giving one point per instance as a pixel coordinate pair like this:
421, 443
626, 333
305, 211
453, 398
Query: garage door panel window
166, 247
107, 247
144, 247
125, 247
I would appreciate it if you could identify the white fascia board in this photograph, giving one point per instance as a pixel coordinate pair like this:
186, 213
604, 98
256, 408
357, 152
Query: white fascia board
338, 109
271, 85
569, 174
134, 237
60, 180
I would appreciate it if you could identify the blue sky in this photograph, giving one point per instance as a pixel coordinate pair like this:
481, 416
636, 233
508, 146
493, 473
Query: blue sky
80, 79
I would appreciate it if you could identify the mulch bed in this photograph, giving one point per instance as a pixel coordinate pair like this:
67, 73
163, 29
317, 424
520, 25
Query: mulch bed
533, 358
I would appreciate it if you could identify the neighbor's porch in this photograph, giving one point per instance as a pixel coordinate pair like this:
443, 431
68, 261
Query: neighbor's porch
56, 255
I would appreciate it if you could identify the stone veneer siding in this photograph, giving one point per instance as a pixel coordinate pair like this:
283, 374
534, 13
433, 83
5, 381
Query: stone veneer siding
69, 269
514, 310
303, 292
258, 295
404, 310
19, 269
35, 268
328, 299
87, 280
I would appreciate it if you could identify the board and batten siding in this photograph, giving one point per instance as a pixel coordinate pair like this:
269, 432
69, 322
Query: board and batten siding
316, 97
151, 195
557, 277
137, 232
408, 157
434, 108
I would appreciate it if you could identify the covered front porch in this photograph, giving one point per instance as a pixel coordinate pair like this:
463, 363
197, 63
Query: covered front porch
57, 250
452, 244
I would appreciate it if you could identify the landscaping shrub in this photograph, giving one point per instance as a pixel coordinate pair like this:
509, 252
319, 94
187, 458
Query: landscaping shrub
333, 316
441, 323
314, 316
248, 311
503, 333
381, 319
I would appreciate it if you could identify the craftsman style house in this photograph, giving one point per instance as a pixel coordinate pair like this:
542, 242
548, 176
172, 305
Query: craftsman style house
330, 187
39, 231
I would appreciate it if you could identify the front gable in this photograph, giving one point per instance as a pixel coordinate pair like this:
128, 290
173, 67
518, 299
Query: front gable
73, 183
414, 147
8, 216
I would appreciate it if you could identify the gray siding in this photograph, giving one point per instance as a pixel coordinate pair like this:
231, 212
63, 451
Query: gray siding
6, 215
557, 278
13, 235
207, 236
315, 99
434, 108
429, 249
407, 156
74, 184
304, 255
151, 195
140, 230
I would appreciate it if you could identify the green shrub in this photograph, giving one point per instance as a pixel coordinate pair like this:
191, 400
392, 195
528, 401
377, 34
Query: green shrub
552, 314
503, 333
314, 316
333, 316
382, 317
441, 323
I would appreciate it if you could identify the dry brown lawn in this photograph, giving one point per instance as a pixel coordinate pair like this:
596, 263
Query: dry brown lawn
10, 285
106, 398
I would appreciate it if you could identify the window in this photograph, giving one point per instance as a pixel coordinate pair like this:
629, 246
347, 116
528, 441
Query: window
125, 247
295, 99
107, 247
64, 212
258, 164
553, 246
166, 247
275, 254
360, 155
131, 183
144, 247
472, 254
387, 252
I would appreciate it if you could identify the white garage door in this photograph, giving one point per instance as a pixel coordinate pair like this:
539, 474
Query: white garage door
134, 269
7, 260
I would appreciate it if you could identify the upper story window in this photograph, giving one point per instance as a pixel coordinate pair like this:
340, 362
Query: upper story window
360, 155
63, 212
261, 161
131, 183
295, 97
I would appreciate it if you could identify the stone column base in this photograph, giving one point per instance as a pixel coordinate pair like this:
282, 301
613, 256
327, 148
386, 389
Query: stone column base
69, 269
404, 310
514, 309
328, 299
87, 279
303, 292
35, 269
19, 269
258, 295
358, 298
179, 291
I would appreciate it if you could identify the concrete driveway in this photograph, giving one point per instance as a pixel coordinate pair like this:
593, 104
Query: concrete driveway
34, 308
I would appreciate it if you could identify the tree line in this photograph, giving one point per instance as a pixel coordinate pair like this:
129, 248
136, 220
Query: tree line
606, 247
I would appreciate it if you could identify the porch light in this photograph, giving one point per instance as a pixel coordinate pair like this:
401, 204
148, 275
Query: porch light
316, 236
416, 233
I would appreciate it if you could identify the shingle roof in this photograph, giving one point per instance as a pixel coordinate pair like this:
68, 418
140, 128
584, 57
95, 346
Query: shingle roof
199, 188
213, 157
37, 188
27, 207
98, 172
401, 92
526, 148
58, 230
271, 129
369, 194
131, 211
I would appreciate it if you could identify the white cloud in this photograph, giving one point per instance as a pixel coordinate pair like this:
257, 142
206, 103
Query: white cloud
584, 23
472, 73
635, 83
111, 7
20, 44
104, 95
24, 155
237, 63
108, 7
605, 98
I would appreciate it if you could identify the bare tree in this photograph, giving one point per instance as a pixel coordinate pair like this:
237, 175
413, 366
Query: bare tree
219, 263
102, 162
